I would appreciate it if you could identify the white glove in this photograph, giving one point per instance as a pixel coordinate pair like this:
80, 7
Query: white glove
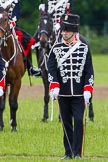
1, 91
87, 96
42, 7
57, 26
54, 93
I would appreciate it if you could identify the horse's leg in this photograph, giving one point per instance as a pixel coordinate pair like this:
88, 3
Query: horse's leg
2, 107
13, 97
46, 95
44, 74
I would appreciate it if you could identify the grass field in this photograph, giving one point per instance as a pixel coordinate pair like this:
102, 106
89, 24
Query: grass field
101, 69
42, 142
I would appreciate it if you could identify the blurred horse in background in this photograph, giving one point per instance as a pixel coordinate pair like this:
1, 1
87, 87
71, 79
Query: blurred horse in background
46, 38
12, 56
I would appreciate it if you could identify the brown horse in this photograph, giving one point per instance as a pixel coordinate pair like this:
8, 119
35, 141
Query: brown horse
12, 56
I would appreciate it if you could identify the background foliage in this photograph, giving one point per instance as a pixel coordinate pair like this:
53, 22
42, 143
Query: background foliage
93, 13
93, 18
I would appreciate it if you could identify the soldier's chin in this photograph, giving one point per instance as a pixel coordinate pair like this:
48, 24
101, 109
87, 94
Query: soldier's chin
68, 38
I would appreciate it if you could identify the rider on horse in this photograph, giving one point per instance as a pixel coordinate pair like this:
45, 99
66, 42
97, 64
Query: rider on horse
24, 38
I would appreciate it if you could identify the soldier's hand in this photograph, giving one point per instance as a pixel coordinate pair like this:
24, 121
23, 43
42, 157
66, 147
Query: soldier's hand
57, 26
54, 93
87, 96
1, 91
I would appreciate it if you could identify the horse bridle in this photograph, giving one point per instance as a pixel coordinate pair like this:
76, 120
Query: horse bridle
49, 37
44, 31
2, 39
7, 34
46, 53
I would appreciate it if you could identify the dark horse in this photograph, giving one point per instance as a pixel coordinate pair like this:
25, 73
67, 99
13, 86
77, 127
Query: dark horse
46, 37
12, 56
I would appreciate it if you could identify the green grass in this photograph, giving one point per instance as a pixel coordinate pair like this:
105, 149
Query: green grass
34, 80
42, 142
37, 141
100, 63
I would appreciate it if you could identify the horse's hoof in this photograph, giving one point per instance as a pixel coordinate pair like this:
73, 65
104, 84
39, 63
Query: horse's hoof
44, 119
1, 128
13, 129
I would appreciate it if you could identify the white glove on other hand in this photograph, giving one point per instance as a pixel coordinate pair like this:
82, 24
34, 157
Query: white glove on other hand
42, 7
54, 93
1, 91
87, 96
57, 26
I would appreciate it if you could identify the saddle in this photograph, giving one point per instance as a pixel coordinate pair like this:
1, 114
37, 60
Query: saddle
25, 40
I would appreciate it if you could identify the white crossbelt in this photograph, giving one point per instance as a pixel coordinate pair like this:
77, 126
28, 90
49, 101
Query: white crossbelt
6, 3
57, 6
73, 48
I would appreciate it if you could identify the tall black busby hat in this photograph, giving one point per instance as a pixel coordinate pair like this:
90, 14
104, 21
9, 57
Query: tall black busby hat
70, 22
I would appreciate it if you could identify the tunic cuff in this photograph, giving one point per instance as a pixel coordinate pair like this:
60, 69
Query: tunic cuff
54, 85
88, 88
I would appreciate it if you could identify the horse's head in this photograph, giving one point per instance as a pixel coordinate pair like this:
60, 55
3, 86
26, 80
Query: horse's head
4, 23
45, 30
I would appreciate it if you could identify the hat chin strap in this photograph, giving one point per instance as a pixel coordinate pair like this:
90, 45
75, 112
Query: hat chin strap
71, 40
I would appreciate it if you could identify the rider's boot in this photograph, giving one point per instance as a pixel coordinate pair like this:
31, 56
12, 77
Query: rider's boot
32, 71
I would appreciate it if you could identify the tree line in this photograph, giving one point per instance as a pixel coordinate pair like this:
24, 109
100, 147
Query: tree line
93, 13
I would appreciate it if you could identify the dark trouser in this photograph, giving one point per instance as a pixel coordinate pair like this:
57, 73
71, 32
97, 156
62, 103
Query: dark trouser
72, 111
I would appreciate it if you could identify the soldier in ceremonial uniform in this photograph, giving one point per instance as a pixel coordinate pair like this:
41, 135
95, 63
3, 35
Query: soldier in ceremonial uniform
24, 38
71, 77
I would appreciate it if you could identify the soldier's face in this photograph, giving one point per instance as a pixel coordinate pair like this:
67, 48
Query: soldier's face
67, 35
